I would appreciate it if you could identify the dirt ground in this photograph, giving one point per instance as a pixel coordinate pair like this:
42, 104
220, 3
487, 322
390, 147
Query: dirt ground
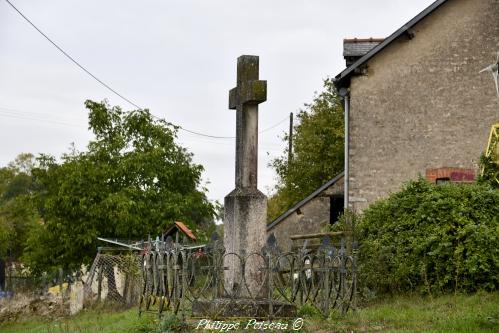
11, 309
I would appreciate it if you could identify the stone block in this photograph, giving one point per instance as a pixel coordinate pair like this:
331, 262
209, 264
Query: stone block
242, 308
245, 225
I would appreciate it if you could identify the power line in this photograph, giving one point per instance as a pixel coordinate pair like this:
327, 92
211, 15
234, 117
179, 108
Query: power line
10, 115
13, 114
36, 114
106, 85
207, 135
233, 137
71, 58
274, 126
20, 114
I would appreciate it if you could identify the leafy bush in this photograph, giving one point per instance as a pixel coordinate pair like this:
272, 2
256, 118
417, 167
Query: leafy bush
431, 238
307, 310
489, 174
171, 323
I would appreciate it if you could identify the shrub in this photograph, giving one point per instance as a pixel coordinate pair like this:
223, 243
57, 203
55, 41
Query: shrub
171, 323
431, 238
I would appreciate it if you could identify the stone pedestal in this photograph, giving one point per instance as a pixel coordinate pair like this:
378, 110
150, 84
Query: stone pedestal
242, 308
244, 236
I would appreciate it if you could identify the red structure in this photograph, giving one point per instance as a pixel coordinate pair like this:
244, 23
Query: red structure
453, 175
179, 227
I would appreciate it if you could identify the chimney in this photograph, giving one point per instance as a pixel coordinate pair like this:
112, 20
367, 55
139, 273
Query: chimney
356, 48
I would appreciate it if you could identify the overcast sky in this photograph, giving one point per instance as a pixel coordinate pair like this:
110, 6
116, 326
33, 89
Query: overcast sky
177, 58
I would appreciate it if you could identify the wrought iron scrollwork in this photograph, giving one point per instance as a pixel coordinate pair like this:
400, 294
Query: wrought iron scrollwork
175, 277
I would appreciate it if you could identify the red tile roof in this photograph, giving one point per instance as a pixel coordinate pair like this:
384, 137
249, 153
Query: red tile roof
185, 230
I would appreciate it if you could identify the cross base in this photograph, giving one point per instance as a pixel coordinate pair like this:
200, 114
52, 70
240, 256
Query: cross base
245, 228
242, 308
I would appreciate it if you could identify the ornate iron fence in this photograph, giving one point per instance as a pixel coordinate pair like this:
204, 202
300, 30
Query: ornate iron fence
191, 280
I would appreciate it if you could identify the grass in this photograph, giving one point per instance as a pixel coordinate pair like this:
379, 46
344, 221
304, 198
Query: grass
450, 313
89, 321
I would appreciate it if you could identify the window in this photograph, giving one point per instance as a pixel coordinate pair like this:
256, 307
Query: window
441, 181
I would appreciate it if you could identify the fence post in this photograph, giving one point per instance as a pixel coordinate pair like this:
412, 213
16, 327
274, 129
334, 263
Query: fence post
269, 272
184, 282
60, 278
354, 273
99, 284
343, 275
326, 271
2, 274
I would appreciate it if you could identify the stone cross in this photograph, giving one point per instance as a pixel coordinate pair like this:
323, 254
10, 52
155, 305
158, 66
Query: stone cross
244, 98
245, 207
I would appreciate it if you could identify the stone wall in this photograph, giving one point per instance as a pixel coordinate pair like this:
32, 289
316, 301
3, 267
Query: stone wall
423, 103
310, 218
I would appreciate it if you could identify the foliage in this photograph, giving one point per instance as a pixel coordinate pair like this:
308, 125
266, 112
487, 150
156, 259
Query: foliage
133, 180
317, 151
17, 214
431, 238
347, 222
490, 171
307, 310
171, 323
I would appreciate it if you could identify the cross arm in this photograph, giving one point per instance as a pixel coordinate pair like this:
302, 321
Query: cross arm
248, 93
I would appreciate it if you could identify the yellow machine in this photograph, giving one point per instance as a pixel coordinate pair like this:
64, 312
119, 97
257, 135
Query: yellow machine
492, 147
492, 150
56, 290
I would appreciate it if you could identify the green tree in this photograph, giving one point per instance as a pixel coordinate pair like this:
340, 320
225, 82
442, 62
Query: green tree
17, 214
318, 151
17, 217
15, 178
132, 181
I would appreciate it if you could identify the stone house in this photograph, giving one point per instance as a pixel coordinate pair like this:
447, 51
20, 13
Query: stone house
417, 100
310, 215
415, 104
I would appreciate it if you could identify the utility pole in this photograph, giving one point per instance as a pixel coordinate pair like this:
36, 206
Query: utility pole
290, 139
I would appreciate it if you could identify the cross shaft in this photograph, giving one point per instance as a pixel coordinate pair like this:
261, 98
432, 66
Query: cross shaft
244, 98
